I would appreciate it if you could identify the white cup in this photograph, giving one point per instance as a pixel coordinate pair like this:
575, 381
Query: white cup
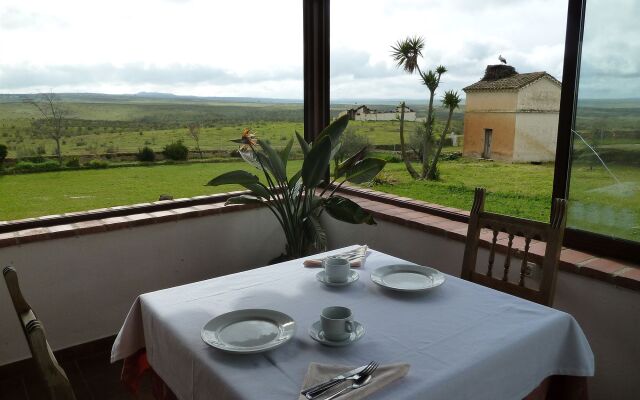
336, 269
337, 323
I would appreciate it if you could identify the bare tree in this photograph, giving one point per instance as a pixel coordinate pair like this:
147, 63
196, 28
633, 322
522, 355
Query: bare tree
54, 117
194, 131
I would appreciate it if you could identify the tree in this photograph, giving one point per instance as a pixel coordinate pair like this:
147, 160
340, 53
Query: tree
403, 150
194, 131
406, 54
3, 153
54, 118
350, 143
451, 100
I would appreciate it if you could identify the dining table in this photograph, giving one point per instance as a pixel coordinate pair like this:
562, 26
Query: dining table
461, 340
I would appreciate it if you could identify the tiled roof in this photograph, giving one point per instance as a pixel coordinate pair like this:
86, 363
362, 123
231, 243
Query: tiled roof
512, 82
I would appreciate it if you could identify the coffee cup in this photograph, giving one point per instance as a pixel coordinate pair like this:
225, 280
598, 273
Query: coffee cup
337, 323
336, 269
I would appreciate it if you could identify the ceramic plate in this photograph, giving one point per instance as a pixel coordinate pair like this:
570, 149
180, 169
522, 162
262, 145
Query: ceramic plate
407, 277
316, 334
249, 331
322, 277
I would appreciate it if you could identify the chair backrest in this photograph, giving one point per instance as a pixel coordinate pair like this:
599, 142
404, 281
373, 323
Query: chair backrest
53, 375
551, 233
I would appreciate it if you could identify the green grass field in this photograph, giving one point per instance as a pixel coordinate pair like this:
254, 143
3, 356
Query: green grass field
516, 189
105, 124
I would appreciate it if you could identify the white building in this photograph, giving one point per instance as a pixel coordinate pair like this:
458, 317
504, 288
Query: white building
364, 113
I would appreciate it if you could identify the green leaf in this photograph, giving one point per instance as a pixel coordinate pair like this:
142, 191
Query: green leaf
258, 189
275, 162
316, 163
295, 182
284, 154
315, 233
348, 211
237, 177
348, 163
303, 144
335, 151
365, 170
334, 130
243, 199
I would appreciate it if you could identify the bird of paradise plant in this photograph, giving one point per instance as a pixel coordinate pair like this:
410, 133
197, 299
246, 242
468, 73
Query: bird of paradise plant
297, 201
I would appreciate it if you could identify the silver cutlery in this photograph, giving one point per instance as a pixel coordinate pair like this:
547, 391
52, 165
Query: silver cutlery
355, 374
358, 383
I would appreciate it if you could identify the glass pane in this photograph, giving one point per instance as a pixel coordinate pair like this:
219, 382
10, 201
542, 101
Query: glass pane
140, 75
605, 175
502, 135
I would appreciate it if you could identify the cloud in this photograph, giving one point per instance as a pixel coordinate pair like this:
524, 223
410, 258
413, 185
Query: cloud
357, 65
14, 19
15, 77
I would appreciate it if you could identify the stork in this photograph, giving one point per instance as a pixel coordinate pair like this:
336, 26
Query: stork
502, 59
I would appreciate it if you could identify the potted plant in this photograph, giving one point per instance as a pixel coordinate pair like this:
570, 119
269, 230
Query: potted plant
297, 200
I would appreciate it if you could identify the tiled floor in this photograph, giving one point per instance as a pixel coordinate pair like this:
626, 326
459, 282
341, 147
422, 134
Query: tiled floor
92, 377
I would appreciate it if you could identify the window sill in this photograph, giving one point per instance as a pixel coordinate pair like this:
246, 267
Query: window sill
443, 221
451, 223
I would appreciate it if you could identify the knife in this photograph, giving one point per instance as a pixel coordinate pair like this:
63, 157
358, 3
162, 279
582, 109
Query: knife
311, 392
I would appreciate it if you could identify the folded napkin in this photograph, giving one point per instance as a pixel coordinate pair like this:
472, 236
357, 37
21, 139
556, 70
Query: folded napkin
356, 257
384, 375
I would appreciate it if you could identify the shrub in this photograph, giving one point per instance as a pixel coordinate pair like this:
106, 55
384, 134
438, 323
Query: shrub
97, 164
73, 162
28, 166
451, 156
352, 142
176, 151
3, 152
146, 154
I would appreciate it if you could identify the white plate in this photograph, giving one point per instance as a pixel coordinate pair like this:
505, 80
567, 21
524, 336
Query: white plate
353, 276
249, 331
316, 334
407, 277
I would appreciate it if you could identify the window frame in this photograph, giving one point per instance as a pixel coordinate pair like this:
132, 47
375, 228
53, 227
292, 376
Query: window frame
316, 117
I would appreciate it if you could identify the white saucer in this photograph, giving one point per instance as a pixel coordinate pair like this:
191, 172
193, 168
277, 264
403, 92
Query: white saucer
316, 334
353, 276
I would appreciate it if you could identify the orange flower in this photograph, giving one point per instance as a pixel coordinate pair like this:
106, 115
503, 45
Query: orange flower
248, 138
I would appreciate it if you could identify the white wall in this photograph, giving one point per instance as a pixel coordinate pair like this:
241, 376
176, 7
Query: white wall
541, 95
536, 137
609, 315
82, 287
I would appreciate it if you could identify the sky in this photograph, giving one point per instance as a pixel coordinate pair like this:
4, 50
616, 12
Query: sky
253, 48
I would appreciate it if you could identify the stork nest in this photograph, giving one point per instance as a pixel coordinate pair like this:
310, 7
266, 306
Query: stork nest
498, 71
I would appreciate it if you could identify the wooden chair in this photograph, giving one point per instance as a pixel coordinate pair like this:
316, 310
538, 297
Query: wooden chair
53, 375
551, 233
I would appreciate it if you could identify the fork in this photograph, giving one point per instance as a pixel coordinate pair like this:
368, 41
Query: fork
316, 391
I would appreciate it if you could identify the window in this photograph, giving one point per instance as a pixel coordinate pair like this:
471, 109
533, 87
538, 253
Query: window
129, 79
504, 60
604, 189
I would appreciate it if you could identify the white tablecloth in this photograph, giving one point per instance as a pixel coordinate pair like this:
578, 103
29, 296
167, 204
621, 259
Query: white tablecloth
462, 340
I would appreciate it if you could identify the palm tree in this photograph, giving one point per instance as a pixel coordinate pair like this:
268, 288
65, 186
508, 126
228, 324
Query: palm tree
406, 53
431, 79
451, 100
